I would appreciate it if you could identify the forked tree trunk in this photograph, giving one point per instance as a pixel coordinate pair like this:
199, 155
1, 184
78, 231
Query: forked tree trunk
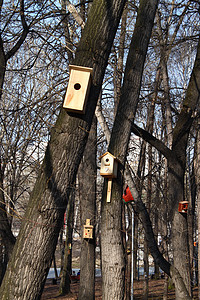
33, 251
111, 236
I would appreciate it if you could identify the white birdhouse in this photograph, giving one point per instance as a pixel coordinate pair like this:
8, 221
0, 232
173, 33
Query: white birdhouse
78, 89
88, 230
109, 164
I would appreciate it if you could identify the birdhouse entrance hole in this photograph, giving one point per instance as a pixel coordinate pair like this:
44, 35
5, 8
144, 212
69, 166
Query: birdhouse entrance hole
77, 86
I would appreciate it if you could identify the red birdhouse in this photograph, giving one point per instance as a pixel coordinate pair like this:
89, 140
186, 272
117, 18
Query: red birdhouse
183, 207
127, 196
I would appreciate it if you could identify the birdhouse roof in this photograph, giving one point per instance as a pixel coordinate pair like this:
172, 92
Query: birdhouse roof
108, 153
80, 68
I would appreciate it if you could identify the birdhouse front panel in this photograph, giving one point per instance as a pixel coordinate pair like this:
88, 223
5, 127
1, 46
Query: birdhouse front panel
183, 206
78, 89
88, 230
108, 166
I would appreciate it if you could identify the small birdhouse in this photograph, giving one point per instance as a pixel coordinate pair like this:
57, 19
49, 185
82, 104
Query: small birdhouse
183, 207
78, 89
127, 196
109, 164
88, 230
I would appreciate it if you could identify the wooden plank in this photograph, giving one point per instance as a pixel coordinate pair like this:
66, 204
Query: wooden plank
109, 190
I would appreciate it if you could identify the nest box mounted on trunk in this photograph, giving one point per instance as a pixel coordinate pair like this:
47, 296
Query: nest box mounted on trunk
88, 230
127, 196
183, 207
78, 89
109, 165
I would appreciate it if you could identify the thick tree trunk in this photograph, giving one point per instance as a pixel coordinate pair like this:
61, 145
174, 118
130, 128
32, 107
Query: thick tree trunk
87, 183
111, 235
33, 252
180, 240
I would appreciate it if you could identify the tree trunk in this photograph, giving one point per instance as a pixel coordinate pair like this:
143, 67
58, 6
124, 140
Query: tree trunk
146, 269
197, 176
87, 183
2, 66
33, 251
7, 239
64, 287
111, 235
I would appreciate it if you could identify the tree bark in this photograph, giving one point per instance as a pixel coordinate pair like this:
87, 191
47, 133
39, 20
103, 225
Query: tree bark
197, 176
7, 239
111, 236
87, 183
64, 287
33, 252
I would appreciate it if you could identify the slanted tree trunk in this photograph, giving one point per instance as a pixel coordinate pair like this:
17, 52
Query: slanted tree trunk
87, 184
111, 235
33, 251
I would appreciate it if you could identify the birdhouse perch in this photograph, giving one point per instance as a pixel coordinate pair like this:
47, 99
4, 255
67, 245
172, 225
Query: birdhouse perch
78, 89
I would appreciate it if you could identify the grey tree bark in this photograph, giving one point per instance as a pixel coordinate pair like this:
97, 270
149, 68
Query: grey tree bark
111, 236
87, 184
33, 251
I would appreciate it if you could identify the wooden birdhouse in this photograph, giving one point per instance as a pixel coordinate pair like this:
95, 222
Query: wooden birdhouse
183, 207
109, 164
88, 230
78, 89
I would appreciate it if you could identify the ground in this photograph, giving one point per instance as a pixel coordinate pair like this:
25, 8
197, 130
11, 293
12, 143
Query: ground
155, 290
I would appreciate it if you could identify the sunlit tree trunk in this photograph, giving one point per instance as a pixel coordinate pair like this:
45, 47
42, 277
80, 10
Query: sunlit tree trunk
87, 184
111, 236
